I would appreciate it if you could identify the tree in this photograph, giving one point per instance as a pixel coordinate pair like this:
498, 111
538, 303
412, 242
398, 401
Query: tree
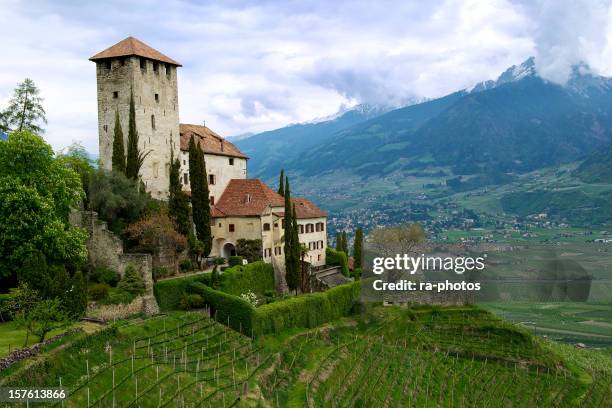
358, 249
344, 243
25, 110
36, 194
200, 195
135, 157
132, 281
288, 235
118, 161
339, 241
21, 302
45, 316
281, 187
401, 239
155, 234
250, 249
178, 202
293, 268
75, 157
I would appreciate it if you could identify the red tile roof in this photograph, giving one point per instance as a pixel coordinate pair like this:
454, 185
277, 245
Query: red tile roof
210, 142
246, 198
307, 209
132, 46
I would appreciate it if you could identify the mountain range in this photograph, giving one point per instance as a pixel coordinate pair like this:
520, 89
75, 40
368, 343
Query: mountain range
514, 124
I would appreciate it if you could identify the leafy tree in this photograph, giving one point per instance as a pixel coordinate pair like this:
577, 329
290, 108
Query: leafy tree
47, 315
401, 239
155, 234
118, 161
199, 195
344, 243
250, 249
117, 199
22, 300
25, 110
135, 157
75, 157
132, 281
358, 249
281, 186
36, 194
178, 202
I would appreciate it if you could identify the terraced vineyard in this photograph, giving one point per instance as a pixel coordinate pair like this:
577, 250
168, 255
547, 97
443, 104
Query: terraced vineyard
458, 357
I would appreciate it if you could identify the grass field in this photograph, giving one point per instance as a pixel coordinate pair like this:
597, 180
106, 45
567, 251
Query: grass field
425, 357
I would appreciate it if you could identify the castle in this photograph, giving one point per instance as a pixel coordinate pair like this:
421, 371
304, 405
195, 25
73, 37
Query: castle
240, 207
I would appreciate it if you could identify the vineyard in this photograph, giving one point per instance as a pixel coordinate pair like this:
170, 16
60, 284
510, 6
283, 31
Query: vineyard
431, 358
385, 357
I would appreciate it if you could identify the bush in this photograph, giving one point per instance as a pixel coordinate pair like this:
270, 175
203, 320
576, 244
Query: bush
132, 281
234, 261
98, 291
5, 307
227, 309
257, 277
357, 273
191, 301
160, 272
103, 274
333, 257
218, 261
186, 265
168, 292
308, 311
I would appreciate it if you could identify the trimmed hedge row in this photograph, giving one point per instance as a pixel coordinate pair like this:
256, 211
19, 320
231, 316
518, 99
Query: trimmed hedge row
257, 277
333, 257
169, 292
227, 309
308, 311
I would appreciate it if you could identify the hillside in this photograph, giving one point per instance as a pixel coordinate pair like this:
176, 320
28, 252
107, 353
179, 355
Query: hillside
385, 356
270, 151
515, 124
597, 168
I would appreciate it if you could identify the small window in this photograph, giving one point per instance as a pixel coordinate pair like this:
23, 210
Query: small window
276, 225
232, 228
266, 227
143, 64
219, 225
184, 162
319, 257
157, 98
168, 71
301, 229
155, 67
108, 64
212, 200
153, 122
115, 94
185, 178
105, 128
211, 179
231, 161
122, 61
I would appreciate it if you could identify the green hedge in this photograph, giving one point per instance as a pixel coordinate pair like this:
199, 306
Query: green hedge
257, 277
333, 257
308, 311
227, 309
169, 292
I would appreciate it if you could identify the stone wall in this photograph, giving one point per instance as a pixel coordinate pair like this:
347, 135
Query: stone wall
104, 248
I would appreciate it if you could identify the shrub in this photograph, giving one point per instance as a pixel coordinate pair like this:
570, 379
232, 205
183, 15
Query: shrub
339, 258
257, 277
227, 309
168, 292
118, 296
191, 301
234, 261
218, 261
160, 272
132, 281
103, 274
5, 307
357, 273
98, 291
186, 265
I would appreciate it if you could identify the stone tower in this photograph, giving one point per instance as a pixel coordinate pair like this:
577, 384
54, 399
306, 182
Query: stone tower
132, 66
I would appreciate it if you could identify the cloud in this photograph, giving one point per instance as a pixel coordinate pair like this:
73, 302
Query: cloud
250, 66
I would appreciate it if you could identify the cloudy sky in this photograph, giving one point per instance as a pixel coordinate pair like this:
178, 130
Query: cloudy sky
250, 66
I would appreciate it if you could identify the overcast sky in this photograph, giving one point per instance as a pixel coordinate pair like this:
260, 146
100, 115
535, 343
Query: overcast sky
250, 66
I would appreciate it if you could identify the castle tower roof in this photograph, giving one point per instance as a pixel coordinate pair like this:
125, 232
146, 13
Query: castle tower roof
133, 46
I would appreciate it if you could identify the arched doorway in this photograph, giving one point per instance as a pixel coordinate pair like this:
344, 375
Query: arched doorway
228, 250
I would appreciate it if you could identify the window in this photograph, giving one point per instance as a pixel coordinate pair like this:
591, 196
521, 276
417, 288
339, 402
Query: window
108, 64
268, 252
301, 229
155, 67
184, 162
105, 128
276, 225
143, 64
212, 200
157, 98
231, 161
153, 122
168, 71
319, 257
122, 61
309, 228
211, 179
115, 94
232, 228
185, 178
266, 227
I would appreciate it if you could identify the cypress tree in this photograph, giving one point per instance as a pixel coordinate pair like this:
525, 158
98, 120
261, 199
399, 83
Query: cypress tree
206, 235
344, 243
132, 167
296, 255
288, 234
178, 202
338, 241
199, 196
118, 161
358, 249
281, 188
